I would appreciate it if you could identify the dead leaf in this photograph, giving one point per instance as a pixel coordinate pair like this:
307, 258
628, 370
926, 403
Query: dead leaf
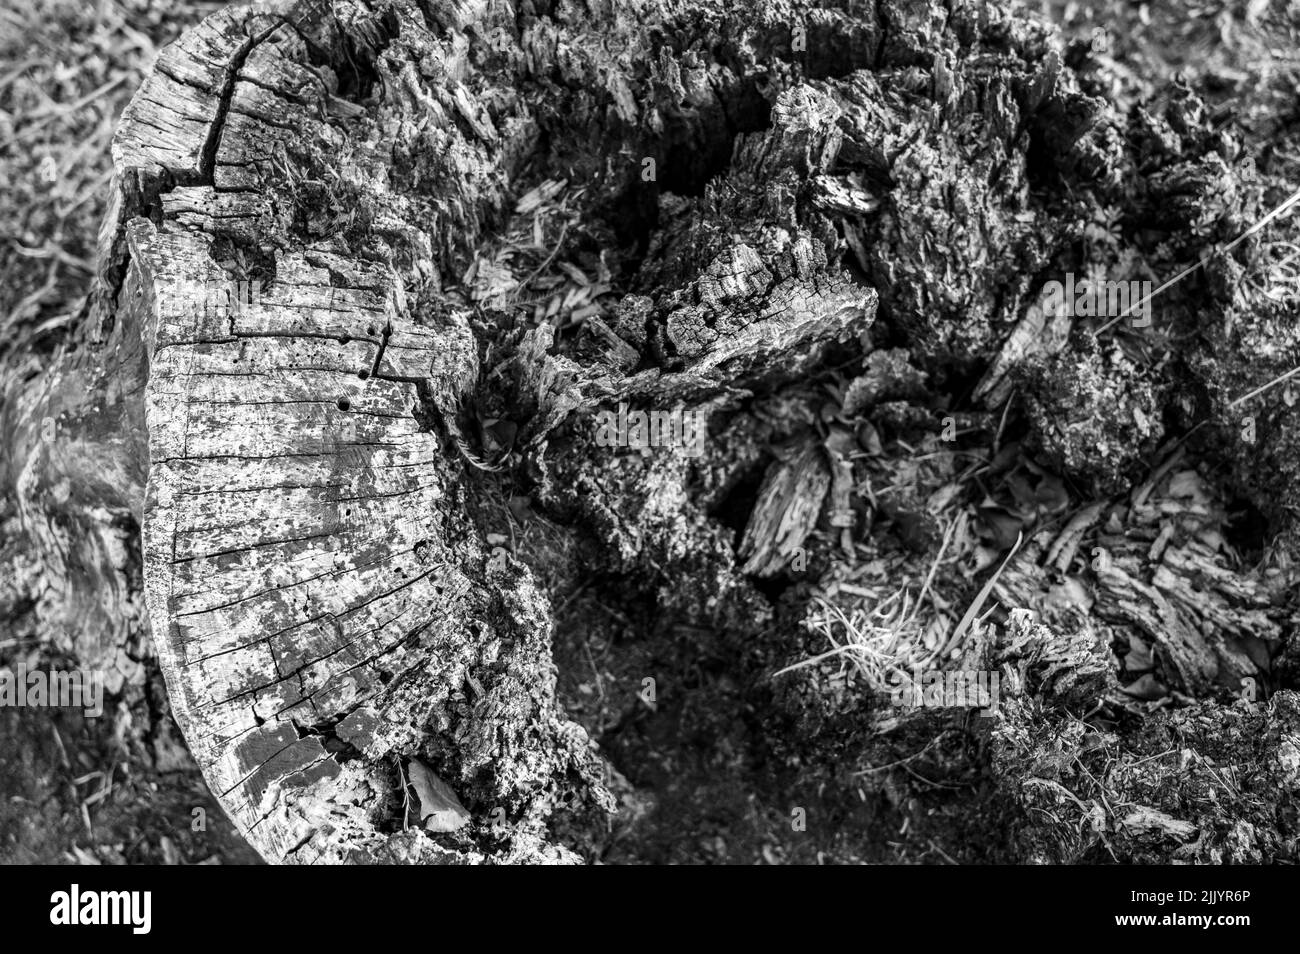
1147, 688
999, 526
1138, 658
440, 809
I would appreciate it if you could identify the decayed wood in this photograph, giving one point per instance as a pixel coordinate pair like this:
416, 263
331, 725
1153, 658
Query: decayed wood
320, 603
786, 511
332, 629
1161, 576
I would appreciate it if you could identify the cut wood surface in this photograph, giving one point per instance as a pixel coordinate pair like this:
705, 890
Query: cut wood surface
315, 595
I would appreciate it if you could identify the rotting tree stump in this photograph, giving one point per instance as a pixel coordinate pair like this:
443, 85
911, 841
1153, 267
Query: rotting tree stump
266, 448
321, 605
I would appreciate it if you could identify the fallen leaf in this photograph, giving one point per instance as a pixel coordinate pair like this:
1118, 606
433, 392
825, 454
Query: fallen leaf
1138, 658
1148, 688
440, 809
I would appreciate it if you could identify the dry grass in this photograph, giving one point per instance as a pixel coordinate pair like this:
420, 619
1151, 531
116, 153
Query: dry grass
1276, 279
879, 636
67, 69
874, 640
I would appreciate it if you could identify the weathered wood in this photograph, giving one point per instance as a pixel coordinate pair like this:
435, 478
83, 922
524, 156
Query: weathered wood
321, 605
318, 600
312, 584
789, 502
1161, 576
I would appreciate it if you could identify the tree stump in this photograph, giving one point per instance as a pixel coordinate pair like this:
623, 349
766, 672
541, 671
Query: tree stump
270, 386
302, 389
